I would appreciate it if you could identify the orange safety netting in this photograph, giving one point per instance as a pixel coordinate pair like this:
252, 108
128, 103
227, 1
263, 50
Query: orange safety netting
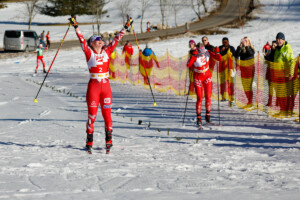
257, 84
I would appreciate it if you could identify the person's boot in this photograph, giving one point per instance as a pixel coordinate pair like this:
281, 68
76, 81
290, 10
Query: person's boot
35, 71
44, 70
108, 141
207, 117
89, 141
199, 120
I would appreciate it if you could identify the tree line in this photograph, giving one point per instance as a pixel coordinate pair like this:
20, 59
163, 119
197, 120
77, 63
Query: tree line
96, 9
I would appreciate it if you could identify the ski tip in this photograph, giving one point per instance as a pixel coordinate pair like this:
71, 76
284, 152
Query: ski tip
35, 101
154, 104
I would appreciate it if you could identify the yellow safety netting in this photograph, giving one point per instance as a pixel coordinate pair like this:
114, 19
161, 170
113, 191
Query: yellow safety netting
257, 84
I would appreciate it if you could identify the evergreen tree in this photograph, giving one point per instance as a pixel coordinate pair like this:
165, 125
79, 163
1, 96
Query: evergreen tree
67, 7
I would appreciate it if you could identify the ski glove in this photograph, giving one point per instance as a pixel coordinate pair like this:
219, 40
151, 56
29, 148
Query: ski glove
233, 73
128, 24
73, 22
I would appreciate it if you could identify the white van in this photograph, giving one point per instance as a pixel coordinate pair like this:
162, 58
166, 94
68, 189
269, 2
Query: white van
20, 40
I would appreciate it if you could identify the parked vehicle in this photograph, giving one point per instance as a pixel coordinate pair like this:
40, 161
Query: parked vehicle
20, 40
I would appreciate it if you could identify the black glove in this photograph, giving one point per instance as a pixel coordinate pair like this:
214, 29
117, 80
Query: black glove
128, 24
73, 22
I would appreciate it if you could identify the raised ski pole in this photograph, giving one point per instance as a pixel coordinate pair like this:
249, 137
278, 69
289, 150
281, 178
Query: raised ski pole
187, 98
35, 99
154, 104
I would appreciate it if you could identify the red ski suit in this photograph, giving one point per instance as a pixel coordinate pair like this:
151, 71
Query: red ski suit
202, 78
99, 90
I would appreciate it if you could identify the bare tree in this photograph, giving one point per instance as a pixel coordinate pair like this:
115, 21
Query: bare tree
144, 6
98, 12
125, 8
196, 5
163, 9
30, 11
176, 6
203, 3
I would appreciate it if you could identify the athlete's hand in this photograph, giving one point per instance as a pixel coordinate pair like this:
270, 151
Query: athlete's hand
73, 22
128, 24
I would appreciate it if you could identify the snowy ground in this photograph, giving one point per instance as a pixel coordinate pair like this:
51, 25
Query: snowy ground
42, 144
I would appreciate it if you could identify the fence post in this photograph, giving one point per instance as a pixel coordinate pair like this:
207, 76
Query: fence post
299, 85
257, 81
169, 70
229, 81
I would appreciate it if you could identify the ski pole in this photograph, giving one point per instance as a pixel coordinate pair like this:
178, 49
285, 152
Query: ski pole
187, 98
218, 92
35, 99
154, 104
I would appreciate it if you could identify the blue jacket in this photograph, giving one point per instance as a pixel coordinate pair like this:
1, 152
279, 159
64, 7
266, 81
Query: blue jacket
148, 52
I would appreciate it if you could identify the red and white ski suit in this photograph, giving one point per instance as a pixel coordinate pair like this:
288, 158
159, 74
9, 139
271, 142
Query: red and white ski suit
99, 90
40, 58
202, 78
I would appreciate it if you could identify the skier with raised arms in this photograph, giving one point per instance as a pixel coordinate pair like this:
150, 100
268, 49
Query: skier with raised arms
98, 91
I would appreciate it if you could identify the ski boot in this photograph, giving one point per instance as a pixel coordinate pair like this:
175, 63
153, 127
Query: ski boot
207, 117
199, 120
89, 142
108, 141
35, 71
44, 70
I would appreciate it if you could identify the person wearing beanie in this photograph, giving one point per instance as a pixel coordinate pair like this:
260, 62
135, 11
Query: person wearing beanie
285, 58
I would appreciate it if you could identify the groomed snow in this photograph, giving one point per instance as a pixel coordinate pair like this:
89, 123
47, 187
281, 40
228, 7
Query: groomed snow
42, 144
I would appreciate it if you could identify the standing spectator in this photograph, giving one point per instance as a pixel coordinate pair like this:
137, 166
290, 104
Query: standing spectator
206, 43
193, 48
48, 40
42, 39
202, 79
284, 56
192, 52
128, 50
148, 27
211, 48
40, 58
266, 48
225, 47
98, 58
245, 52
227, 70
147, 63
269, 57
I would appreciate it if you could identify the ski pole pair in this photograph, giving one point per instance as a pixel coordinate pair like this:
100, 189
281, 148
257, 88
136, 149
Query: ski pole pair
35, 99
154, 104
187, 97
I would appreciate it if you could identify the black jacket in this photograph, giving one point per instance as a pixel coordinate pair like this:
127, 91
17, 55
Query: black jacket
248, 54
270, 55
232, 49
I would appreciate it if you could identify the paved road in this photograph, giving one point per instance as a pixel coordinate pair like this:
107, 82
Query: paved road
226, 15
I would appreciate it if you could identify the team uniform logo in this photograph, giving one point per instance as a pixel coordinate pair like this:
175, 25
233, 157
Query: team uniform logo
93, 104
107, 100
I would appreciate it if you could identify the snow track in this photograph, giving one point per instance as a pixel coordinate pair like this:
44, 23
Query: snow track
249, 155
